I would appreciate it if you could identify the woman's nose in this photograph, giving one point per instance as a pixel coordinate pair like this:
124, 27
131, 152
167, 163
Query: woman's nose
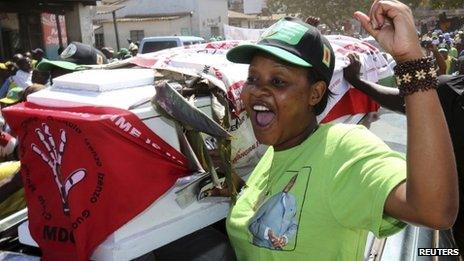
259, 89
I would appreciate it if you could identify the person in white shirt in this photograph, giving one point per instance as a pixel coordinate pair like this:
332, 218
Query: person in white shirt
23, 76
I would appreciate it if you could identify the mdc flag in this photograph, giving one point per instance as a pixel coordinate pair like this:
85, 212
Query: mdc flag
86, 172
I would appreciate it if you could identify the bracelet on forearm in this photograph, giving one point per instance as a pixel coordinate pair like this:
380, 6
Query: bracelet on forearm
415, 75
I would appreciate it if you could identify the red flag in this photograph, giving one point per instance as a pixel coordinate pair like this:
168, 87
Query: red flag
353, 102
87, 171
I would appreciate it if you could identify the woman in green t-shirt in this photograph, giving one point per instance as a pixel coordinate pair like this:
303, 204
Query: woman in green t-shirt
344, 180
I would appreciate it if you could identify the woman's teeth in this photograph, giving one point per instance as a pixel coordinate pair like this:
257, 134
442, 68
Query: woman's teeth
263, 115
260, 108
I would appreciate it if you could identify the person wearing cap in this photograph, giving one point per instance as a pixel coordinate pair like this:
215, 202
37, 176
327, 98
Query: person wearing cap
124, 54
133, 49
22, 78
449, 60
37, 56
13, 96
453, 52
348, 182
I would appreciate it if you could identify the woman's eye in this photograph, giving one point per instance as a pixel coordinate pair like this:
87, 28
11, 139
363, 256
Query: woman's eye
251, 80
278, 82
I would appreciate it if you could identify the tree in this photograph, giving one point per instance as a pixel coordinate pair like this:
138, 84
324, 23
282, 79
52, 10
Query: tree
333, 11
446, 4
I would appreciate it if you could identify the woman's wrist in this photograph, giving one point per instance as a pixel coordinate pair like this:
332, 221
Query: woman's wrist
410, 56
415, 75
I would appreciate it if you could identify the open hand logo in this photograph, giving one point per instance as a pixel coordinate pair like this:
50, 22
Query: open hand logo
53, 160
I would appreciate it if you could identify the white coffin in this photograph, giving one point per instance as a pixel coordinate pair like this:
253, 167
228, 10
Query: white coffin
105, 80
164, 221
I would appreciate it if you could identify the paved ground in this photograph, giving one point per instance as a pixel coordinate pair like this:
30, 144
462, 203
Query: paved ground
391, 128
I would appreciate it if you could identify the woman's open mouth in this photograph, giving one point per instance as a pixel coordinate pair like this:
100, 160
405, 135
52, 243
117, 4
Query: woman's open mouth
262, 115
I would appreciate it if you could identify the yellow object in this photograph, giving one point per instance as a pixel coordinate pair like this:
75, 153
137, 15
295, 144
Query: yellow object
16, 201
9, 168
450, 64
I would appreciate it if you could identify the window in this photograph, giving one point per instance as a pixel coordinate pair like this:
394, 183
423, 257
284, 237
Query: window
137, 35
99, 41
214, 30
149, 47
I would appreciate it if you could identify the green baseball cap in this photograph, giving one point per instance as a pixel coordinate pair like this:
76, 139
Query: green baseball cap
14, 95
47, 65
293, 41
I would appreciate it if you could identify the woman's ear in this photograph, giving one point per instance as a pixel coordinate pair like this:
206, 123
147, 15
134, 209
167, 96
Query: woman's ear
317, 92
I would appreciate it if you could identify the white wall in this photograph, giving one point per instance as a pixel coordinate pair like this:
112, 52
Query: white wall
205, 13
151, 28
241, 23
148, 7
253, 6
79, 25
212, 13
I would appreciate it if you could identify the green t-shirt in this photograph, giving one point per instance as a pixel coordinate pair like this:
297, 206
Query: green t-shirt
343, 173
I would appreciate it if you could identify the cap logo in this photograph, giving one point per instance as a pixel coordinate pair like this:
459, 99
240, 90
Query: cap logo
327, 56
286, 31
69, 51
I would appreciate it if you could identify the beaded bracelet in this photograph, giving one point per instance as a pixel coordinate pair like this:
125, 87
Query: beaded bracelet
415, 75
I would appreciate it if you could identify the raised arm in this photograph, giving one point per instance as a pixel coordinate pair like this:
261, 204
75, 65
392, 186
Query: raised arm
438, 58
430, 194
387, 97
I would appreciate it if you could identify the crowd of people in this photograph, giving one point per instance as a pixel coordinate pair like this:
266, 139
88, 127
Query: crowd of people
319, 188
18, 78
450, 45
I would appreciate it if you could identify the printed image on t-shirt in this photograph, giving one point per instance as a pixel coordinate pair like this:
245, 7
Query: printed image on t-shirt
274, 225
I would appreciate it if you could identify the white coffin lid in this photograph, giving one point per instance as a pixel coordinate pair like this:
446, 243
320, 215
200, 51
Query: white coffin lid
105, 80
121, 98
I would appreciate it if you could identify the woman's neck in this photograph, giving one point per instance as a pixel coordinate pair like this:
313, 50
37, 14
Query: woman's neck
298, 139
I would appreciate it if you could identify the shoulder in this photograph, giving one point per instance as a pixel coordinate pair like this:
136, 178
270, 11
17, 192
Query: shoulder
342, 131
351, 139
344, 139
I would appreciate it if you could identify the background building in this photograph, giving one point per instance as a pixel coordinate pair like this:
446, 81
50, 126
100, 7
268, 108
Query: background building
26, 25
247, 6
142, 18
445, 19
253, 21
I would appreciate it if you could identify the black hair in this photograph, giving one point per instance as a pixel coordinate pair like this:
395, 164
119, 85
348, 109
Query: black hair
314, 77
